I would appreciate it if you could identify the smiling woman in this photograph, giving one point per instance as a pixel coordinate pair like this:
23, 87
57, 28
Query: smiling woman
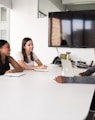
6, 59
27, 57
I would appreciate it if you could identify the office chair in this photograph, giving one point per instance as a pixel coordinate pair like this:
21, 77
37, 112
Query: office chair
93, 117
91, 114
56, 60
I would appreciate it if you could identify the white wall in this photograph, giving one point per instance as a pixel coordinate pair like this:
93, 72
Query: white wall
24, 23
7, 3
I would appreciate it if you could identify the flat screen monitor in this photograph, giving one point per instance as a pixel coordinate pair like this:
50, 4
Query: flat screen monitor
74, 29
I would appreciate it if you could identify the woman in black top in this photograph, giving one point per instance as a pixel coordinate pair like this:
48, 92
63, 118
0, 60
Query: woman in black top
5, 59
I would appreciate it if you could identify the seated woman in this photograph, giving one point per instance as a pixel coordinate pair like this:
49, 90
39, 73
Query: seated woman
27, 57
6, 59
83, 78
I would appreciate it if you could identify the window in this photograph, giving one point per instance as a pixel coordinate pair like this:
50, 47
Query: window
3, 14
55, 37
4, 23
3, 34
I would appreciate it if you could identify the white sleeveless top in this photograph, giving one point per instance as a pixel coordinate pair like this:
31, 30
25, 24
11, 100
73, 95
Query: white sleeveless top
19, 56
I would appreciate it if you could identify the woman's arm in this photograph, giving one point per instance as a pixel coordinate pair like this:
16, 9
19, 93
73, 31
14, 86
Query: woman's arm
76, 79
17, 67
39, 63
26, 67
88, 72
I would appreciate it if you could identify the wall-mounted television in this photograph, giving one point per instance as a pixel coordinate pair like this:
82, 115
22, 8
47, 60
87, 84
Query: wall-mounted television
74, 29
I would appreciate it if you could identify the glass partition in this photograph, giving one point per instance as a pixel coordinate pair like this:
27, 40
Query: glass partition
4, 23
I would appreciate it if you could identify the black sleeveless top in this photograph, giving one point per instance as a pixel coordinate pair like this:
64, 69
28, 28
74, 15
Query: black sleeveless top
4, 67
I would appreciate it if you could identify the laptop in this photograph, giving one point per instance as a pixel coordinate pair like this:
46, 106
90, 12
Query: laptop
67, 68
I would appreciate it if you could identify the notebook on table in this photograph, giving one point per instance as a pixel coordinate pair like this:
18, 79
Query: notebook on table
41, 70
18, 74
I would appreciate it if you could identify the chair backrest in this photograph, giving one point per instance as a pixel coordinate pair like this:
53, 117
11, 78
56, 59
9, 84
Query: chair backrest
92, 107
91, 114
56, 60
93, 117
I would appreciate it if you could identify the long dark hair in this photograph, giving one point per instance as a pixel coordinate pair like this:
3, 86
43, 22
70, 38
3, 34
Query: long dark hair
2, 43
24, 41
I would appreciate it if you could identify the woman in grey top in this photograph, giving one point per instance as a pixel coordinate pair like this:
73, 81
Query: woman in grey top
83, 78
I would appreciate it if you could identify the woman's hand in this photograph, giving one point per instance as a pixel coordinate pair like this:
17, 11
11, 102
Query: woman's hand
59, 79
8, 71
82, 74
42, 67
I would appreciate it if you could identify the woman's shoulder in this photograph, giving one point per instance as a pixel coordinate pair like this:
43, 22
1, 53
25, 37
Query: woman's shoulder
19, 56
9, 58
19, 53
34, 53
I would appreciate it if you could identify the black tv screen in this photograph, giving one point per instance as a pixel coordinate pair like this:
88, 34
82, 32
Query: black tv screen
72, 29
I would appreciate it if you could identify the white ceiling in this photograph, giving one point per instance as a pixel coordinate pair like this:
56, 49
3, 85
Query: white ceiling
69, 2
7, 3
75, 4
58, 3
78, 1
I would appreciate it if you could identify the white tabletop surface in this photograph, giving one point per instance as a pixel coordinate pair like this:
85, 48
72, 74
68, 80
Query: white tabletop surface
36, 96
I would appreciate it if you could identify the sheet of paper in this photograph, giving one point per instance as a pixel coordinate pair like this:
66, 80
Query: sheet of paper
41, 70
15, 74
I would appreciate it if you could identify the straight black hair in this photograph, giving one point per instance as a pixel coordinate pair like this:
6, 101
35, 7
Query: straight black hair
2, 42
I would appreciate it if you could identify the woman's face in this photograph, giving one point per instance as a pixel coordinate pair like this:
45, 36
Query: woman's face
29, 46
5, 49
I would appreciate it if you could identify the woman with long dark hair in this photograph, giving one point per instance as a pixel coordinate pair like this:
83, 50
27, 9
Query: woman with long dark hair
27, 57
6, 59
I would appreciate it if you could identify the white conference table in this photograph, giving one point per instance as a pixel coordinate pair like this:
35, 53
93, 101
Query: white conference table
36, 96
